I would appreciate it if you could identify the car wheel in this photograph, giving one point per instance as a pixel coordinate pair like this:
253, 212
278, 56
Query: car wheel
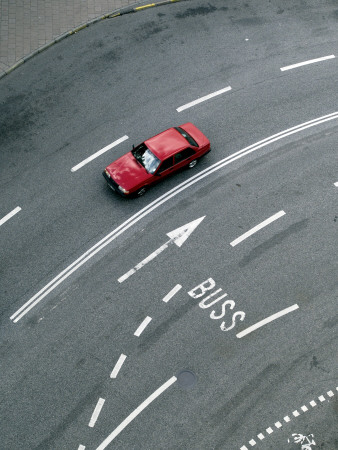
141, 191
192, 164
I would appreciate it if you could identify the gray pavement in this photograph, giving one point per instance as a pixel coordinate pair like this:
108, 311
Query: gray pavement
27, 26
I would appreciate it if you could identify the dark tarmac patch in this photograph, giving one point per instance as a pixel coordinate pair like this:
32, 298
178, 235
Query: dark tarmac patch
17, 116
275, 240
199, 11
147, 30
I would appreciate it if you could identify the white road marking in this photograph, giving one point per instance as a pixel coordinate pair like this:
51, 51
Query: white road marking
118, 366
267, 320
336, 184
81, 447
144, 262
260, 436
203, 99
177, 236
33, 301
9, 215
252, 442
172, 293
141, 328
287, 418
257, 228
305, 63
99, 153
96, 412
135, 413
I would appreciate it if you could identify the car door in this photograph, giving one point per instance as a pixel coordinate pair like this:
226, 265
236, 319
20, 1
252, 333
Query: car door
183, 158
165, 169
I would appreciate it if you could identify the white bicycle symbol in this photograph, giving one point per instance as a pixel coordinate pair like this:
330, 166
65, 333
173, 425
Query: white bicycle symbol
306, 441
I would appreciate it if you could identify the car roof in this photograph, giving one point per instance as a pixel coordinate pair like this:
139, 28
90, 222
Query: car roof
167, 143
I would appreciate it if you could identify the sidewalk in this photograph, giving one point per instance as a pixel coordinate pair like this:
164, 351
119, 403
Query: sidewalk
29, 25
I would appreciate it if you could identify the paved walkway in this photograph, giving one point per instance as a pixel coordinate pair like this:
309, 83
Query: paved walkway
29, 25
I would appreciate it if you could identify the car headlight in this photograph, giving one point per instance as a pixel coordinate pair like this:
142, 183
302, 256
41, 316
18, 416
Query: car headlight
124, 191
107, 173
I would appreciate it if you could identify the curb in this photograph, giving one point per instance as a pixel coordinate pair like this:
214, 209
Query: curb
111, 15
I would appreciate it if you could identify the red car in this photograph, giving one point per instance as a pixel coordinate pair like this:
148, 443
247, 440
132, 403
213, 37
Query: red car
156, 158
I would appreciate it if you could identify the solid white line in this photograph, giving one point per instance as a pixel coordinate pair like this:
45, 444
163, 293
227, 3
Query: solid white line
135, 413
203, 99
304, 63
141, 328
24, 309
9, 215
96, 412
267, 320
100, 152
172, 293
257, 228
118, 366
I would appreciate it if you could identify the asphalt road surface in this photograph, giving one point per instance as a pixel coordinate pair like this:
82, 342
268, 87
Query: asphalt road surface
227, 340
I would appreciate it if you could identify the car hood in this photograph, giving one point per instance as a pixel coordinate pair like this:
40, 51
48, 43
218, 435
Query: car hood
127, 172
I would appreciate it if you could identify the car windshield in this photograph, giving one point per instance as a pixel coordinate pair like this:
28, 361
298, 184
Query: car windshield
148, 160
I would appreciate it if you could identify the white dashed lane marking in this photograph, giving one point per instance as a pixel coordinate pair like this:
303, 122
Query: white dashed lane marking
266, 321
257, 228
99, 153
287, 419
305, 63
203, 99
172, 293
118, 366
143, 325
9, 215
96, 412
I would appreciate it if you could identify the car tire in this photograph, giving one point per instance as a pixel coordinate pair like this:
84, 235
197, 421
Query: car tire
141, 191
192, 164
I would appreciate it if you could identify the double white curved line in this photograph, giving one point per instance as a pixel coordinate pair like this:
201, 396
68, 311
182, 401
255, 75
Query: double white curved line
155, 204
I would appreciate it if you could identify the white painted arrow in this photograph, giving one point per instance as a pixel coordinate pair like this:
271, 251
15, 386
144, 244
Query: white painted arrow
178, 237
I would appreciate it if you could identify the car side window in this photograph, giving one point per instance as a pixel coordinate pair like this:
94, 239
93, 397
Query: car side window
166, 164
183, 154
